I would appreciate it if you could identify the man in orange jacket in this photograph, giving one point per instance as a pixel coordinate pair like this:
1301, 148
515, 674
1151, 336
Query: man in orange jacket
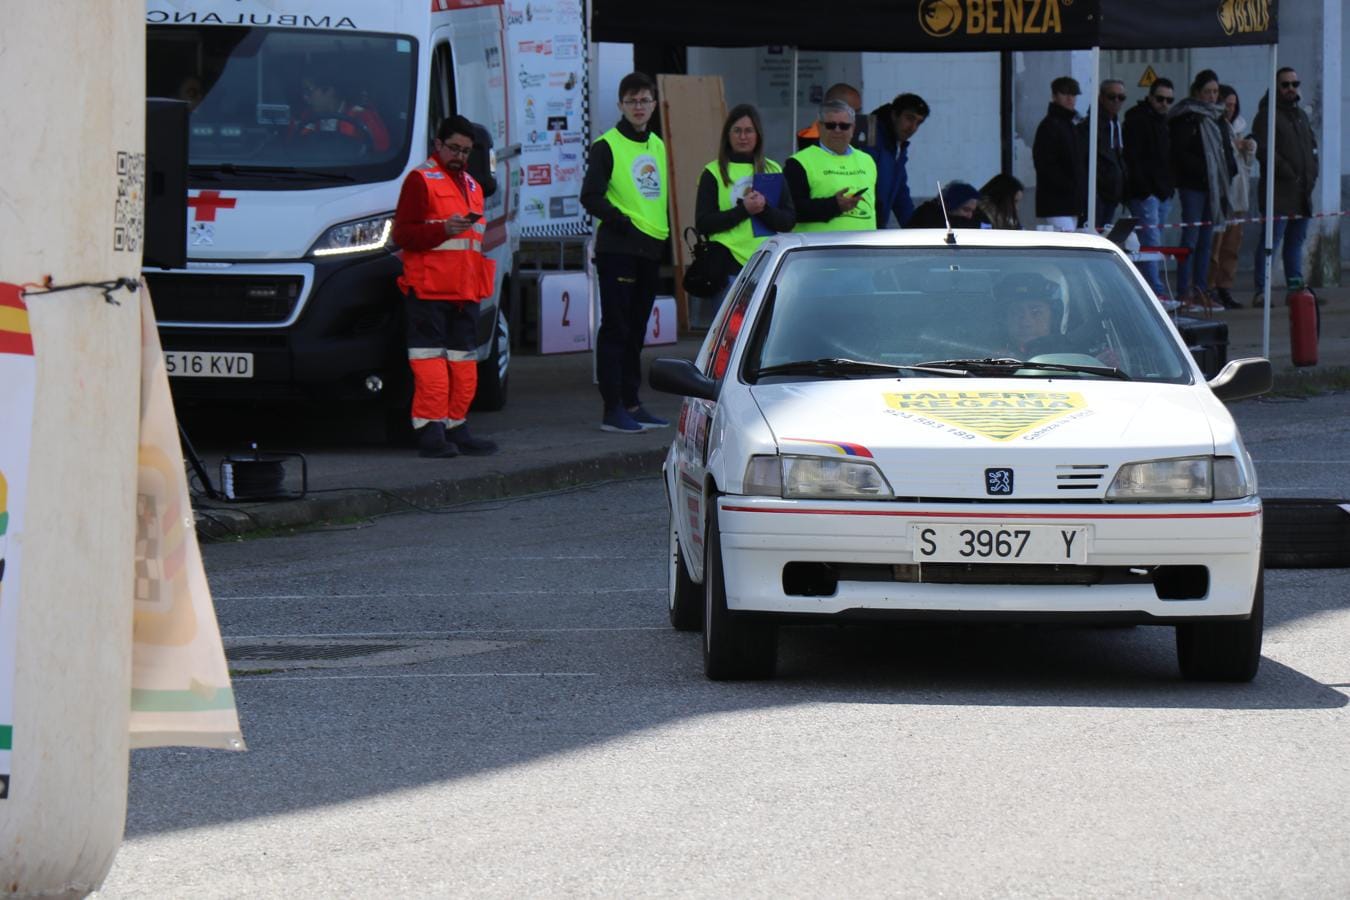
439, 225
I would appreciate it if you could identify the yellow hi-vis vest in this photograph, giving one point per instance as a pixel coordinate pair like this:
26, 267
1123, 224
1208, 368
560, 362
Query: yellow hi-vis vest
741, 240
827, 174
637, 185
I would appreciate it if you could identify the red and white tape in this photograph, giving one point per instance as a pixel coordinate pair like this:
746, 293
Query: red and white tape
1256, 219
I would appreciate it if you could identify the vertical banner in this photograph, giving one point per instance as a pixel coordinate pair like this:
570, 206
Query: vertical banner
548, 52
18, 379
180, 684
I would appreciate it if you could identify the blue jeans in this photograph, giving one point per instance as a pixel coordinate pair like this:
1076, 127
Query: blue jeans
1294, 232
1151, 213
1194, 270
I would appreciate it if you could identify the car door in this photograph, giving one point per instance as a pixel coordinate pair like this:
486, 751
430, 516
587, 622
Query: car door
696, 416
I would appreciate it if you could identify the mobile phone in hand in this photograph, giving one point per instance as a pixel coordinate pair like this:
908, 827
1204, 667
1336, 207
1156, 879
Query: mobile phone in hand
859, 192
473, 217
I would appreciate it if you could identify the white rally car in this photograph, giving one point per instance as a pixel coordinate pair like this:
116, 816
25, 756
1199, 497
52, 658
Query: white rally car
1002, 426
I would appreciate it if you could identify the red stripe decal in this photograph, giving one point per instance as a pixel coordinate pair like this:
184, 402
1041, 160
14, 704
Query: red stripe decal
16, 342
911, 514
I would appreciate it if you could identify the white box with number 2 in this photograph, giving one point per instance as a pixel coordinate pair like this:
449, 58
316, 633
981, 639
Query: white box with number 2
564, 313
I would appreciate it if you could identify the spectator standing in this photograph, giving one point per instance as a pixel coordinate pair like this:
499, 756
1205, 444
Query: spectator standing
962, 209
439, 225
728, 203
1296, 172
1227, 243
1111, 166
1149, 183
999, 199
1204, 165
896, 124
810, 135
1060, 156
625, 189
833, 184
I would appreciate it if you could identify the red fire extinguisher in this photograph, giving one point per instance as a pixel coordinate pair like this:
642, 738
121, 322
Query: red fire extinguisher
1304, 327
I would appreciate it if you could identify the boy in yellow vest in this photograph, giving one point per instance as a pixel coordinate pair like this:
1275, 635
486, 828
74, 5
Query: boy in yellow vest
625, 189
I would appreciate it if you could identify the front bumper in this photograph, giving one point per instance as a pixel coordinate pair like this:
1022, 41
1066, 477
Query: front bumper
1133, 548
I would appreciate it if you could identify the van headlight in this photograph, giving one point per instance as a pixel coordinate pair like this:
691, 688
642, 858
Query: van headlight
361, 236
815, 478
1186, 478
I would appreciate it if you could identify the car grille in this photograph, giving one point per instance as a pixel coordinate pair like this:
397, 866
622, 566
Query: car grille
1079, 477
821, 579
236, 299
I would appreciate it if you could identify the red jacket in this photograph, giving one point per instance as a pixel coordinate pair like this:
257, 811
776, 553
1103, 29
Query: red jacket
435, 266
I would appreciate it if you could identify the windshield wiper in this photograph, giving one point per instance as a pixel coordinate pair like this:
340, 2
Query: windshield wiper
278, 171
1008, 364
833, 365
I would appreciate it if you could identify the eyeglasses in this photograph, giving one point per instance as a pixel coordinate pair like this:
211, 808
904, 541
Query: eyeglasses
1114, 96
636, 102
456, 149
1165, 101
836, 126
1290, 84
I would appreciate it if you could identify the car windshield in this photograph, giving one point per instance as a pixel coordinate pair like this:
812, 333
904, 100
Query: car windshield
280, 108
848, 312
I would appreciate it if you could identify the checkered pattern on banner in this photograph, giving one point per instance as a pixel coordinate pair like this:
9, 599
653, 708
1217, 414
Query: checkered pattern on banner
580, 224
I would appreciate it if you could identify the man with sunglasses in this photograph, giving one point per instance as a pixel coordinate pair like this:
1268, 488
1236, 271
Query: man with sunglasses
1149, 183
1111, 166
833, 184
1296, 170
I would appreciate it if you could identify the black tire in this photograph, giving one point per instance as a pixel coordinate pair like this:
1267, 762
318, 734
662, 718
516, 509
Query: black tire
684, 595
493, 372
1305, 533
735, 648
1224, 651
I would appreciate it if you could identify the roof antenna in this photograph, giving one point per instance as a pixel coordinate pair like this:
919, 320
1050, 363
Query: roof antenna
951, 236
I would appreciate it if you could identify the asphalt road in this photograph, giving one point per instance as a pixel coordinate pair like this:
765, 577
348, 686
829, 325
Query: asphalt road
521, 721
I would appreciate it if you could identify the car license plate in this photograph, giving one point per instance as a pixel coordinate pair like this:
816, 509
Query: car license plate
1002, 543
199, 364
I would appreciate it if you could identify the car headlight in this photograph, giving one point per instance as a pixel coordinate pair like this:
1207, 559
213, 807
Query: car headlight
361, 236
815, 478
1187, 478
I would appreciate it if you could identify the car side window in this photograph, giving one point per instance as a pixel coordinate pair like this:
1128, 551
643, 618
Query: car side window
734, 317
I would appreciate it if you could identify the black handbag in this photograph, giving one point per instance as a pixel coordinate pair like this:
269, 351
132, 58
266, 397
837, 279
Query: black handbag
706, 273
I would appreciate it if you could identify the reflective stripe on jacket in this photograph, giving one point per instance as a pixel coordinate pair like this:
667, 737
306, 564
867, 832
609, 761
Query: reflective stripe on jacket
455, 269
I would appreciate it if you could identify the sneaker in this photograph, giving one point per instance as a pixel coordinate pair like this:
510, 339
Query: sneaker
1225, 298
619, 421
1258, 299
468, 444
646, 419
431, 442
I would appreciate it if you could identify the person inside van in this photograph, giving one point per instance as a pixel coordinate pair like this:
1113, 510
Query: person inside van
328, 112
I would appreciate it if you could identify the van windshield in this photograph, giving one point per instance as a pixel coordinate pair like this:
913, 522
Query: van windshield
281, 109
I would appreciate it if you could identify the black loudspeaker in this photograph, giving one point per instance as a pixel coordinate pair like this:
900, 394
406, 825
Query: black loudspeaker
166, 165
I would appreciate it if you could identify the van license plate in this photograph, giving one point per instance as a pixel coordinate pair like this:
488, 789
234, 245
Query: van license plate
200, 364
1004, 543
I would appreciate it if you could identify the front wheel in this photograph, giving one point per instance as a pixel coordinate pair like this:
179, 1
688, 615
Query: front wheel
684, 597
1224, 651
734, 648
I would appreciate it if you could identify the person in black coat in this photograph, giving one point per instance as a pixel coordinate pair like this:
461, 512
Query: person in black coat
1110, 150
1060, 155
1149, 184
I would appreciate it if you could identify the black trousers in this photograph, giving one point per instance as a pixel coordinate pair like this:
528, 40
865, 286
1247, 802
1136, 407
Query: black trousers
627, 292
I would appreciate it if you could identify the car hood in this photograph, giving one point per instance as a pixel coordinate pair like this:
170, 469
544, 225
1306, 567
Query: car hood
935, 438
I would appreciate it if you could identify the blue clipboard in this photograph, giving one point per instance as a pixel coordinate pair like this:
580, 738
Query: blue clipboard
770, 184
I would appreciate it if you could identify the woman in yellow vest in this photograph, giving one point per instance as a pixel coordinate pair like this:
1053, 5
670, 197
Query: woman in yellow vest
732, 192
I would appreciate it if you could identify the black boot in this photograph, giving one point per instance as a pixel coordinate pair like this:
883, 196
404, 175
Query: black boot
467, 443
431, 442
1226, 299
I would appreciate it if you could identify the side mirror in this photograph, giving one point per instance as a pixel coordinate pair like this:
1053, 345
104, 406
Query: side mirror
1243, 378
681, 376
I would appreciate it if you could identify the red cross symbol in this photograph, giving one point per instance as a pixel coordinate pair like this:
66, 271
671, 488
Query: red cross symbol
207, 202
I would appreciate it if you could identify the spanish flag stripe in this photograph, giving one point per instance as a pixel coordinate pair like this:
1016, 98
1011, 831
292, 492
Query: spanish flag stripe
12, 299
12, 319
16, 342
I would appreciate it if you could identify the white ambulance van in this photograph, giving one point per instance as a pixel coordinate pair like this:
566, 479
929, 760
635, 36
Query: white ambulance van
305, 117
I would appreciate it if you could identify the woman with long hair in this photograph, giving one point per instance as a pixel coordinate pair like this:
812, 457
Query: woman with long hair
1228, 243
999, 199
729, 203
1204, 164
